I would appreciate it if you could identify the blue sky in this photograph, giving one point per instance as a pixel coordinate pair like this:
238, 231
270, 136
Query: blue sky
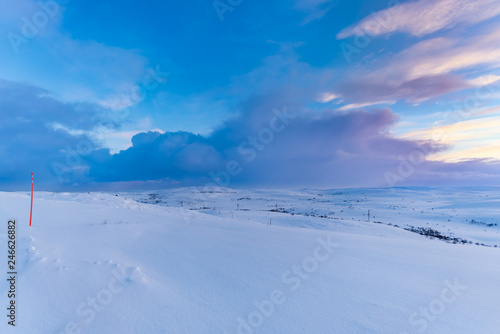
129, 94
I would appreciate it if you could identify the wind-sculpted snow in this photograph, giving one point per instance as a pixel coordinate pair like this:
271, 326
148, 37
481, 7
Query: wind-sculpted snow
255, 261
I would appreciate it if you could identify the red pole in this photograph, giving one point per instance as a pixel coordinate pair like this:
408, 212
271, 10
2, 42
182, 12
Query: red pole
31, 211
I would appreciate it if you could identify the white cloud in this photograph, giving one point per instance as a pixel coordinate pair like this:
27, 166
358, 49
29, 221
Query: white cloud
49, 57
475, 138
13, 10
427, 69
121, 140
423, 17
484, 80
316, 9
327, 97
361, 105
444, 55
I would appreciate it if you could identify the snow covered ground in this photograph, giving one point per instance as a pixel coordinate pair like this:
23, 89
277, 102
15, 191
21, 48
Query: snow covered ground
255, 261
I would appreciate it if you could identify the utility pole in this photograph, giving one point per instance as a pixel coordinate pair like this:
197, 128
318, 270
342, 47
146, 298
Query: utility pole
31, 210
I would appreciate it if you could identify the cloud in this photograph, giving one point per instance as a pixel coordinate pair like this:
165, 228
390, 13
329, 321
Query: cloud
327, 97
471, 138
488, 111
37, 131
332, 149
79, 71
471, 172
316, 9
484, 80
153, 156
444, 55
323, 149
425, 70
13, 10
423, 17
370, 89
362, 105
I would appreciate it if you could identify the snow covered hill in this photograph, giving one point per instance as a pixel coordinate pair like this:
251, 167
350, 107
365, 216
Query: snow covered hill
254, 261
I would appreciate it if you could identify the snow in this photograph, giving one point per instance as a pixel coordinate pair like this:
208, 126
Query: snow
188, 261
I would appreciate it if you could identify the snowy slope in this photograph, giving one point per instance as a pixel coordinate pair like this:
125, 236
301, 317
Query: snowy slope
99, 263
472, 214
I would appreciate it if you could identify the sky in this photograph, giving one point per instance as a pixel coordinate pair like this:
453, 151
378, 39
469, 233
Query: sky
120, 95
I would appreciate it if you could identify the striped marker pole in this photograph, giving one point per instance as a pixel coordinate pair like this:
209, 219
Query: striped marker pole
31, 211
